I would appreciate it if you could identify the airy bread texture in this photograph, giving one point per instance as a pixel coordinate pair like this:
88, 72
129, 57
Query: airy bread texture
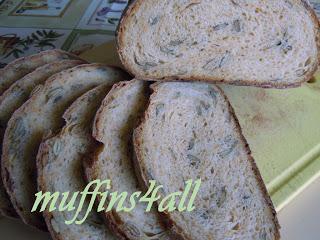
59, 165
114, 124
36, 119
190, 132
13, 98
22, 66
272, 43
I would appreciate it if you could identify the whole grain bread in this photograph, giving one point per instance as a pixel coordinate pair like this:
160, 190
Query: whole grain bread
113, 127
13, 98
60, 157
22, 66
36, 119
271, 43
190, 132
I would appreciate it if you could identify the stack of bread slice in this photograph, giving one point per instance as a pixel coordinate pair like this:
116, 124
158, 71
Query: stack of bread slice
65, 122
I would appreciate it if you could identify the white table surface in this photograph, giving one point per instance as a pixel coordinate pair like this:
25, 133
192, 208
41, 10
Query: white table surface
300, 220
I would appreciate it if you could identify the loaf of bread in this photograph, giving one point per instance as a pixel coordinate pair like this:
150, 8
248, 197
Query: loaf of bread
36, 119
13, 98
113, 127
271, 43
190, 132
60, 168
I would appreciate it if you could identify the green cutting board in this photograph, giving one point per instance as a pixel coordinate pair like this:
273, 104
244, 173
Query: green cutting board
281, 126
283, 131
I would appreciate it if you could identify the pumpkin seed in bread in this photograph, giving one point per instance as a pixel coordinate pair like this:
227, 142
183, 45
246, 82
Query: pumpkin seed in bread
190, 132
60, 157
274, 43
113, 127
36, 119
13, 98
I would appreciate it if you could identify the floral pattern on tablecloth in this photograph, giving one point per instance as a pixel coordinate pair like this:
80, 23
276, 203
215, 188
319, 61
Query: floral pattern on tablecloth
97, 22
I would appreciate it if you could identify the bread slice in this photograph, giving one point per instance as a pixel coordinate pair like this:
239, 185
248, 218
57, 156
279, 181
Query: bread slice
190, 132
114, 124
271, 43
22, 66
59, 165
36, 119
13, 98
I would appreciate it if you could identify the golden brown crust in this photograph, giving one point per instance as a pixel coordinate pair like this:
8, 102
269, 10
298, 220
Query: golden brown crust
143, 181
6, 208
100, 112
7, 178
117, 222
90, 175
130, 10
255, 168
317, 27
54, 67
43, 159
43, 149
47, 218
143, 176
111, 218
21, 67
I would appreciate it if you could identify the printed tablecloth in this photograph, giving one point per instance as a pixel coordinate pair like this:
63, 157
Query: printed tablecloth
29, 26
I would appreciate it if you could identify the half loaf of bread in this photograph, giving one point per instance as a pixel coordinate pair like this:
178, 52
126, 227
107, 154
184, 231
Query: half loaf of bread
272, 43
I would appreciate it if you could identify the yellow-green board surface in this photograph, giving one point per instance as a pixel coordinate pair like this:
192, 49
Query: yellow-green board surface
283, 131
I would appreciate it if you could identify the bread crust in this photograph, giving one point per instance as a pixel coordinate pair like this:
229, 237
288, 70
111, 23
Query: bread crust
144, 179
132, 8
113, 219
91, 175
90, 161
109, 217
253, 163
83, 128
22, 66
47, 215
13, 72
6, 207
7, 177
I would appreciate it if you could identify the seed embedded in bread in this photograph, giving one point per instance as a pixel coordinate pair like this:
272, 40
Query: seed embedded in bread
13, 98
262, 43
59, 165
35, 120
177, 142
114, 123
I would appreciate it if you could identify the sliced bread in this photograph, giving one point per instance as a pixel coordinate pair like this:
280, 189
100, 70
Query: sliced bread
36, 119
113, 127
59, 165
190, 132
13, 98
262, 43
22, 66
